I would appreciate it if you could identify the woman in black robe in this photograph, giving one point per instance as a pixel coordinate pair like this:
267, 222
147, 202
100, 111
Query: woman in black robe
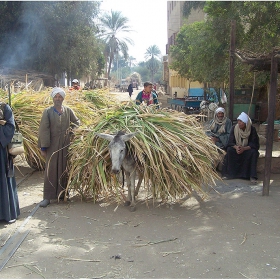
242, 151
9, 206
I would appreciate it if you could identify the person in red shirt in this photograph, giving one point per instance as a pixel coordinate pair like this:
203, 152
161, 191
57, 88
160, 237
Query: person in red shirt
75, 85
147, 95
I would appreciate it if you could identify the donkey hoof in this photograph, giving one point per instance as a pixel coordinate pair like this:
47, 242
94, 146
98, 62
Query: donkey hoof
132, 208
127, 203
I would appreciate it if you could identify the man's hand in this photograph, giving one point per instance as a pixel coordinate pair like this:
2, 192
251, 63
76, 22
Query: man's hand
214, 139
240, 149
2, 122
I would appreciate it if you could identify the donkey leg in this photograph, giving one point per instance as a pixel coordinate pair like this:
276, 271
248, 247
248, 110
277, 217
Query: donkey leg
132, 189
128, 183
140, 179
128, 199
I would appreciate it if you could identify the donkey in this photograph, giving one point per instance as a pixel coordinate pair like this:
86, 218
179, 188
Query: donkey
122, 158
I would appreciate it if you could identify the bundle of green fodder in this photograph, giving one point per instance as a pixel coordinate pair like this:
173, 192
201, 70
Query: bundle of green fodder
28, 107
175, 154
100, 98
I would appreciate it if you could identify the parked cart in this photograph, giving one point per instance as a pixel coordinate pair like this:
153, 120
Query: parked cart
188, 105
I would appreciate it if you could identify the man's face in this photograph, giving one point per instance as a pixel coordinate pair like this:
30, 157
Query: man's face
241, 124
58, 99
220, 115
148, 89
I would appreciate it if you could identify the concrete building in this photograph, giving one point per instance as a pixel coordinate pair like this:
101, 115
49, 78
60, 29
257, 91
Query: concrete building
177, 85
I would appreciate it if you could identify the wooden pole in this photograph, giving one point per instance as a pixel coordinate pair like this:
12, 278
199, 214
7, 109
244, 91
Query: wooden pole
9, 93
270, 123
231, 69
252, 96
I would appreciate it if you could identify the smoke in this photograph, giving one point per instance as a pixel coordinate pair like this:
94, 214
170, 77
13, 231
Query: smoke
19, 49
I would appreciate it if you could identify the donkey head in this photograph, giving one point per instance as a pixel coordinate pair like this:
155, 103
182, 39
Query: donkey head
117, 148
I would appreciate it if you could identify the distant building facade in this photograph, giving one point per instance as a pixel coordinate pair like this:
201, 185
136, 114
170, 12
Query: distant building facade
175, 20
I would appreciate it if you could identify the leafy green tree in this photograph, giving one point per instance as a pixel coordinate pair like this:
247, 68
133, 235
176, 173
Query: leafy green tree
10, 11
113, 25
142, 70
53, 37
153, 56
257, 26
261, 22
158, 78
202, 48
199, 56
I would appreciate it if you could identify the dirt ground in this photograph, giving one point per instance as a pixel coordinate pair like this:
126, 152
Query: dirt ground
232, 234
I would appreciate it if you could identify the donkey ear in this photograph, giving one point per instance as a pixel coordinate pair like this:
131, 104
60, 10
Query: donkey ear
127, 137
105, 136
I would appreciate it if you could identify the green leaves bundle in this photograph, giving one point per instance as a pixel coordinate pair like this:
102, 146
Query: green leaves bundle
175, 154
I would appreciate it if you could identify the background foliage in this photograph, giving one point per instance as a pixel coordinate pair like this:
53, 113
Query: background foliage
202, 49
51, 36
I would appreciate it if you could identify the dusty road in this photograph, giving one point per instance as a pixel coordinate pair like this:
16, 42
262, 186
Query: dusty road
234, 234
124, 96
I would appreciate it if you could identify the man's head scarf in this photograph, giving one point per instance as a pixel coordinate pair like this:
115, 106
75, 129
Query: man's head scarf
217, 121
243, 117
220, 109
57, 90
242, 136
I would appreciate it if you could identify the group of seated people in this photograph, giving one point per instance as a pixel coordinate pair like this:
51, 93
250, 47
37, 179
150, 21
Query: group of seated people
241, 143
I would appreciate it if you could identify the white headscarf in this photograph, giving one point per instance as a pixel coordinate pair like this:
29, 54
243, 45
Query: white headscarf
57, 90
217, 121
220, 109
243, 117
242, 136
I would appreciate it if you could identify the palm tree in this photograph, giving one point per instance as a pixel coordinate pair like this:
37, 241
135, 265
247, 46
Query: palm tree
153, 52
113, 27
153, 55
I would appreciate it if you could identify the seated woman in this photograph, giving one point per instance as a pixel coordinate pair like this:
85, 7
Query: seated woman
219, 128
242, 151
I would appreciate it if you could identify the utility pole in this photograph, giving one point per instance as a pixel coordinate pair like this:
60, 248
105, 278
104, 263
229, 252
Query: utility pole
270, 122
231, 69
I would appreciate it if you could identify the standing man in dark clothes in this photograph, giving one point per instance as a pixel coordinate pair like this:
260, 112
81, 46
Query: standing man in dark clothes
9, 205
130, 90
